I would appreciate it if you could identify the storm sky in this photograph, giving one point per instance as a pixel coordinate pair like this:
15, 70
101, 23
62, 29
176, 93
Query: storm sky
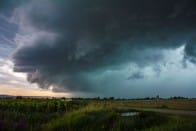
120, 48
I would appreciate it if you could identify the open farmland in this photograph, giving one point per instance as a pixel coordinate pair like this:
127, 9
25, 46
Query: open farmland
180, 104
91, 114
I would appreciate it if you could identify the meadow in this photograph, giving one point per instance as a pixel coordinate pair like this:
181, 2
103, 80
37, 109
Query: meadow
93, 115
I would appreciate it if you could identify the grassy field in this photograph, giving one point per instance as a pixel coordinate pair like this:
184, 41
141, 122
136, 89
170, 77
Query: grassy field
96, 115
180, 104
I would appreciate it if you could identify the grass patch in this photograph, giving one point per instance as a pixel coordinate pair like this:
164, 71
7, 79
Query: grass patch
94, 117
88, 115
176, 123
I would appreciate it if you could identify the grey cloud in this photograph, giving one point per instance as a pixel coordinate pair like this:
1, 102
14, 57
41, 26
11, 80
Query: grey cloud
191, 49
7, 6
99, 35
136, 75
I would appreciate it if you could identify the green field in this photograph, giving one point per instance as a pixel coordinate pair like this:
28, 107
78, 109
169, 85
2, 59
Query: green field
93, 115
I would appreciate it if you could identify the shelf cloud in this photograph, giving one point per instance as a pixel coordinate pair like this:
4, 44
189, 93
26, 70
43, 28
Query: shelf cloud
72, 44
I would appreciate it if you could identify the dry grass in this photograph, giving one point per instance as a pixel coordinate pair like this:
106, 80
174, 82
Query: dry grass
181, 104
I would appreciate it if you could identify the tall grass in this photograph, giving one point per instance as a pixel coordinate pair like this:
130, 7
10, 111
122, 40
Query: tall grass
177, 123
84, 115
99, 117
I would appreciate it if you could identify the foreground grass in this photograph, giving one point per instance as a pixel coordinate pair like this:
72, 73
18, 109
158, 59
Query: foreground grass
176, 123
30, 114
99, 117
90, 115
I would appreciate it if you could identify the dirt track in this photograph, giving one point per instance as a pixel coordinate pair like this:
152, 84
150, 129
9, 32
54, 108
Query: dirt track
168, 111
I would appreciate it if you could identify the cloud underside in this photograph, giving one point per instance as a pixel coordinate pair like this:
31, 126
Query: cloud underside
72, 42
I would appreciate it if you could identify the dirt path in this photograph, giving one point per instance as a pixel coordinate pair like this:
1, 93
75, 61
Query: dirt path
168, 111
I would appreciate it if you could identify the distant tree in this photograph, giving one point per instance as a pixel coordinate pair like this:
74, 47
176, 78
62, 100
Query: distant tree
157, 97
19, 97
111, 98
178, 97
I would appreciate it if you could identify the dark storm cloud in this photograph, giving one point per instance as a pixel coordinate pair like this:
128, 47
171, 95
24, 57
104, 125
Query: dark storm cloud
7, 29
136, 75
191, 49
100, 34
7, 6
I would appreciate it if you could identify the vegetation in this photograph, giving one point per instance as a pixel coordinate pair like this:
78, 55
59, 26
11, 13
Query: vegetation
32, 113
91, 114
98, 117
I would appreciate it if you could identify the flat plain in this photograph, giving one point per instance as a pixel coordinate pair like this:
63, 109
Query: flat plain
97, 114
